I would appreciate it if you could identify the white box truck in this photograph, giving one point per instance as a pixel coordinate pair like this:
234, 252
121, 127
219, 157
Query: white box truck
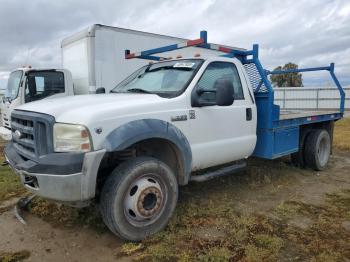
93, 62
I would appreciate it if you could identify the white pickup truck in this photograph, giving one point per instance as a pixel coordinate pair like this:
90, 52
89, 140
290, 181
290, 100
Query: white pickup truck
130, 149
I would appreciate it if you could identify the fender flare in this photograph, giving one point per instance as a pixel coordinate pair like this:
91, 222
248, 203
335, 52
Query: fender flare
135, 131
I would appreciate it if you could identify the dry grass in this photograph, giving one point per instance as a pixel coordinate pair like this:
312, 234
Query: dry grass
59, 214
326, 239
9, 183
230, 236
252, 237
14, 256
342, 134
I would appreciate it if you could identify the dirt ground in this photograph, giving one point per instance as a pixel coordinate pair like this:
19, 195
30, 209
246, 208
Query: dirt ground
272, 211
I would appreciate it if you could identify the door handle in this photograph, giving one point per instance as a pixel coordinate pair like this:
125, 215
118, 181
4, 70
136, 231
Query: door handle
248, 114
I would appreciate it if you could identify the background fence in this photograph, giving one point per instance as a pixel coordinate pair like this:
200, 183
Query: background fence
319, 98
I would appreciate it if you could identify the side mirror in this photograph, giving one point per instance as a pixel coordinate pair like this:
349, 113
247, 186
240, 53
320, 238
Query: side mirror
100, 90
224, 92
196, 97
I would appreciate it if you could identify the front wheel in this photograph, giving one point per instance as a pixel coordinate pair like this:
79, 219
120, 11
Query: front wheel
139, 198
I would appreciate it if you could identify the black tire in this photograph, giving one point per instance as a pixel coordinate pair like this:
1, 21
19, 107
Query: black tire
317, 149
298, 158
124, 208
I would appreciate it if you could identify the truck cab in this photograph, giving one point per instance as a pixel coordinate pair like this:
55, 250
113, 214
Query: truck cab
27, 85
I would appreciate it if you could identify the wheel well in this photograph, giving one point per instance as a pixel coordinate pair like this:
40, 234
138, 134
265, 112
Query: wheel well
306, 129
165, 151
158, 148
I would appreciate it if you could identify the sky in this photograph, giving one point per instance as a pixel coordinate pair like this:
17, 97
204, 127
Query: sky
308, 33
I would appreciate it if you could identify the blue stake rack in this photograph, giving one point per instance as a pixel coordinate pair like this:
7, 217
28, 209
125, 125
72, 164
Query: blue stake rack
269, 126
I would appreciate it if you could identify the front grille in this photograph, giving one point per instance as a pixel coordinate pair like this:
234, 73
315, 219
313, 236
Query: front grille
31, 133
25, 142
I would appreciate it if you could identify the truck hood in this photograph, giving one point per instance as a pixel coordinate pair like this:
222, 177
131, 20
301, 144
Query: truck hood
82, 108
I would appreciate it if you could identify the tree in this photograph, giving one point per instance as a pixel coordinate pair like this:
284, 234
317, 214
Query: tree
287, 80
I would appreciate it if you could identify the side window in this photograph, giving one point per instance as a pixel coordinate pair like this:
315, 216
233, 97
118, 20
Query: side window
220, 70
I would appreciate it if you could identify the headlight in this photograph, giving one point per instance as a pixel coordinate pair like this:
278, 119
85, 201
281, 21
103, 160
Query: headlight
71, 138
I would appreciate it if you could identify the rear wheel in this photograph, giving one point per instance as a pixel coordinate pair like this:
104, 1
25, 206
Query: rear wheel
139, 198
298, 158
317, 149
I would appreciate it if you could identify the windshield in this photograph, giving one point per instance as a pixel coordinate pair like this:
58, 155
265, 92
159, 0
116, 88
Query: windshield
13, 84
166, 79
41, 84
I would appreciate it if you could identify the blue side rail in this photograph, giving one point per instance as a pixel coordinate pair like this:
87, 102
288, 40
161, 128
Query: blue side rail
329, 68
275, 137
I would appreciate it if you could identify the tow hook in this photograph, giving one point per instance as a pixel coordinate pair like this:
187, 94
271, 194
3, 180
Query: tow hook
21, 205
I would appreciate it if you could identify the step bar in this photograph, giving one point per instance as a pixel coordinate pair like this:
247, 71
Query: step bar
227, 170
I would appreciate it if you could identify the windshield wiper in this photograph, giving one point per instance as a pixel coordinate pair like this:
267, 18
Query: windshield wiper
138, 90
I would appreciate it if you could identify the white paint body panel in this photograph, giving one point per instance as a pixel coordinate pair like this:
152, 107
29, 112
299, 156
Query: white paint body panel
217, 135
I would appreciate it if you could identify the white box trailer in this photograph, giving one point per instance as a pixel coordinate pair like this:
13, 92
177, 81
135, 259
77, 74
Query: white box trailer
95, 56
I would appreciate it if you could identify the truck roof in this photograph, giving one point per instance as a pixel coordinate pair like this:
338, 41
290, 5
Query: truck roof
32, 69
91, 31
